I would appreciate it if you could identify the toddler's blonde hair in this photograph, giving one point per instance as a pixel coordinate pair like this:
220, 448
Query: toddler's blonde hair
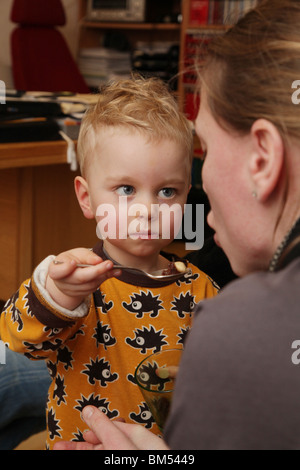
139, 104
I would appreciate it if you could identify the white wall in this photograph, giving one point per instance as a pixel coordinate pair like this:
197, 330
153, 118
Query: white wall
70, 31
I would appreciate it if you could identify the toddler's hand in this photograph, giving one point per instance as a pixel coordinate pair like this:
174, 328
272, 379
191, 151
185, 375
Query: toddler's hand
68, 285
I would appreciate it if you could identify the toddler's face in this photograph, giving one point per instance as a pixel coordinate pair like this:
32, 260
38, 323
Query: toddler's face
137, 190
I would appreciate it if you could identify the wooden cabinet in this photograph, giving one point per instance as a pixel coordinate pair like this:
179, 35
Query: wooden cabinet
39, 211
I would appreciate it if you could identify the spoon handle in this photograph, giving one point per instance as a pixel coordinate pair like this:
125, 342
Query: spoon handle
81, 265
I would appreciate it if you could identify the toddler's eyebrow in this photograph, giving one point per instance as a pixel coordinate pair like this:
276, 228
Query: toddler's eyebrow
173, 182
118, 178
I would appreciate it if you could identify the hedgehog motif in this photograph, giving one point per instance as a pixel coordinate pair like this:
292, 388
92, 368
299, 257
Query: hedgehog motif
187, 279
78, 436
53, 426
183, 334
143, 417
99, 300
147, 339
15, 312
99, 370
59, 391
147, 375
183, 305
44, 346
52, 331
103, 335
11, 307
143, 303
101, 403
64, 355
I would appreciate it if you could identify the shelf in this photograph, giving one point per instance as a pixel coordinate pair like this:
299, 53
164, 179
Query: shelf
132, 26
24, 154
208, 27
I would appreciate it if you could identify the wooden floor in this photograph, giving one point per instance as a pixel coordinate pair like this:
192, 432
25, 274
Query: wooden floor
35, 442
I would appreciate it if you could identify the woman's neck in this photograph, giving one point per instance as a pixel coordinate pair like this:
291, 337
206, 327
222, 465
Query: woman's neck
290, 240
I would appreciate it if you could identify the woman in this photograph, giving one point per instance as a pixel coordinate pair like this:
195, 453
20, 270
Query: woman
238, 385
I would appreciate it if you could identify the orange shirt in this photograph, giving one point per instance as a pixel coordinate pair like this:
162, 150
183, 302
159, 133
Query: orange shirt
92, 359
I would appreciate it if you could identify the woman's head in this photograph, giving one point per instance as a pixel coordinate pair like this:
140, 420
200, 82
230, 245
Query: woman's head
250, 70
250, 129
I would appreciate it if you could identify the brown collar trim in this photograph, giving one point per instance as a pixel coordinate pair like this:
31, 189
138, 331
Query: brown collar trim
137, 279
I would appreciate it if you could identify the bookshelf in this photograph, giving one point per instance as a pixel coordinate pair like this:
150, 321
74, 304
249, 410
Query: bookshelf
200, 21
140, 46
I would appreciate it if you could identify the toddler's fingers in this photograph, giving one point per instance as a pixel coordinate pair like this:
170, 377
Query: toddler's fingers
63, 269
95, 273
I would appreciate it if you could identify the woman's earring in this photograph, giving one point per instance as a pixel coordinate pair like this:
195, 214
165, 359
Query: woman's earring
254, 194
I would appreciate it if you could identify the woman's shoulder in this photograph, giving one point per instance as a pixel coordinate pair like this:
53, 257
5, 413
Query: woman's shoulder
256, 297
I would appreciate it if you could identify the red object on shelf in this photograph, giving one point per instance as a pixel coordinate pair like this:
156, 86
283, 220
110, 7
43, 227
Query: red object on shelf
191, 105
41, 59
199, 12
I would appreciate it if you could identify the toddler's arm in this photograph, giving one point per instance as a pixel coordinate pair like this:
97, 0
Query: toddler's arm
36, 321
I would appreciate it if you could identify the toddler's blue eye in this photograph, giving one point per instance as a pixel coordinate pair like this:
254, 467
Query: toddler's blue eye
166, 192
125, 190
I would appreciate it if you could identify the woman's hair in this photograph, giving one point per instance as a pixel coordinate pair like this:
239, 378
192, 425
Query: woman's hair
139, 104
250, 69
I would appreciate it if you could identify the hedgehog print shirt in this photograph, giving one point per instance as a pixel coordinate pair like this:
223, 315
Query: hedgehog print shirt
92, 354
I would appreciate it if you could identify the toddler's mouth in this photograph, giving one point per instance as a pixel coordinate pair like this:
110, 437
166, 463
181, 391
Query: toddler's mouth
144, 235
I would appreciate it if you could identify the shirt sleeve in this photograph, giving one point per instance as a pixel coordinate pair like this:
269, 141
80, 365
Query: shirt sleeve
31, 323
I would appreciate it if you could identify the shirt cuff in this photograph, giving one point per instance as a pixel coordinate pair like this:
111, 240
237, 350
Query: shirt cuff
39, 287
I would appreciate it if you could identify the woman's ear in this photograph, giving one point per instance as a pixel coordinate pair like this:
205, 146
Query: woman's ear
83, 196
267, 159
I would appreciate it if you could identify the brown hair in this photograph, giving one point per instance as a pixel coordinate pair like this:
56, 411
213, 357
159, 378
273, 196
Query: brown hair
141, 104
250, 69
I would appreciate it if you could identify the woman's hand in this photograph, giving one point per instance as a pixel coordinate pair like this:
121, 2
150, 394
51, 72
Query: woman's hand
105, 434
69, 285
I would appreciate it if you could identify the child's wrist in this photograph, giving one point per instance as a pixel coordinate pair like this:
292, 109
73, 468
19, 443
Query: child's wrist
60, 298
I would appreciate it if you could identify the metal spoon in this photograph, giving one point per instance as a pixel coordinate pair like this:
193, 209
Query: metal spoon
156, 275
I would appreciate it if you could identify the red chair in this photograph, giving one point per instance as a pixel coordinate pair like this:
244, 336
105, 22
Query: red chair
41, 59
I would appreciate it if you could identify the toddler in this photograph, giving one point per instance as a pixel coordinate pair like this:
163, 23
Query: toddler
94, 325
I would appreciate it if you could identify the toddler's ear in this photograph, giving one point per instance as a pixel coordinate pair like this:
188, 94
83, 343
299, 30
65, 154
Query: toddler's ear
83, 196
